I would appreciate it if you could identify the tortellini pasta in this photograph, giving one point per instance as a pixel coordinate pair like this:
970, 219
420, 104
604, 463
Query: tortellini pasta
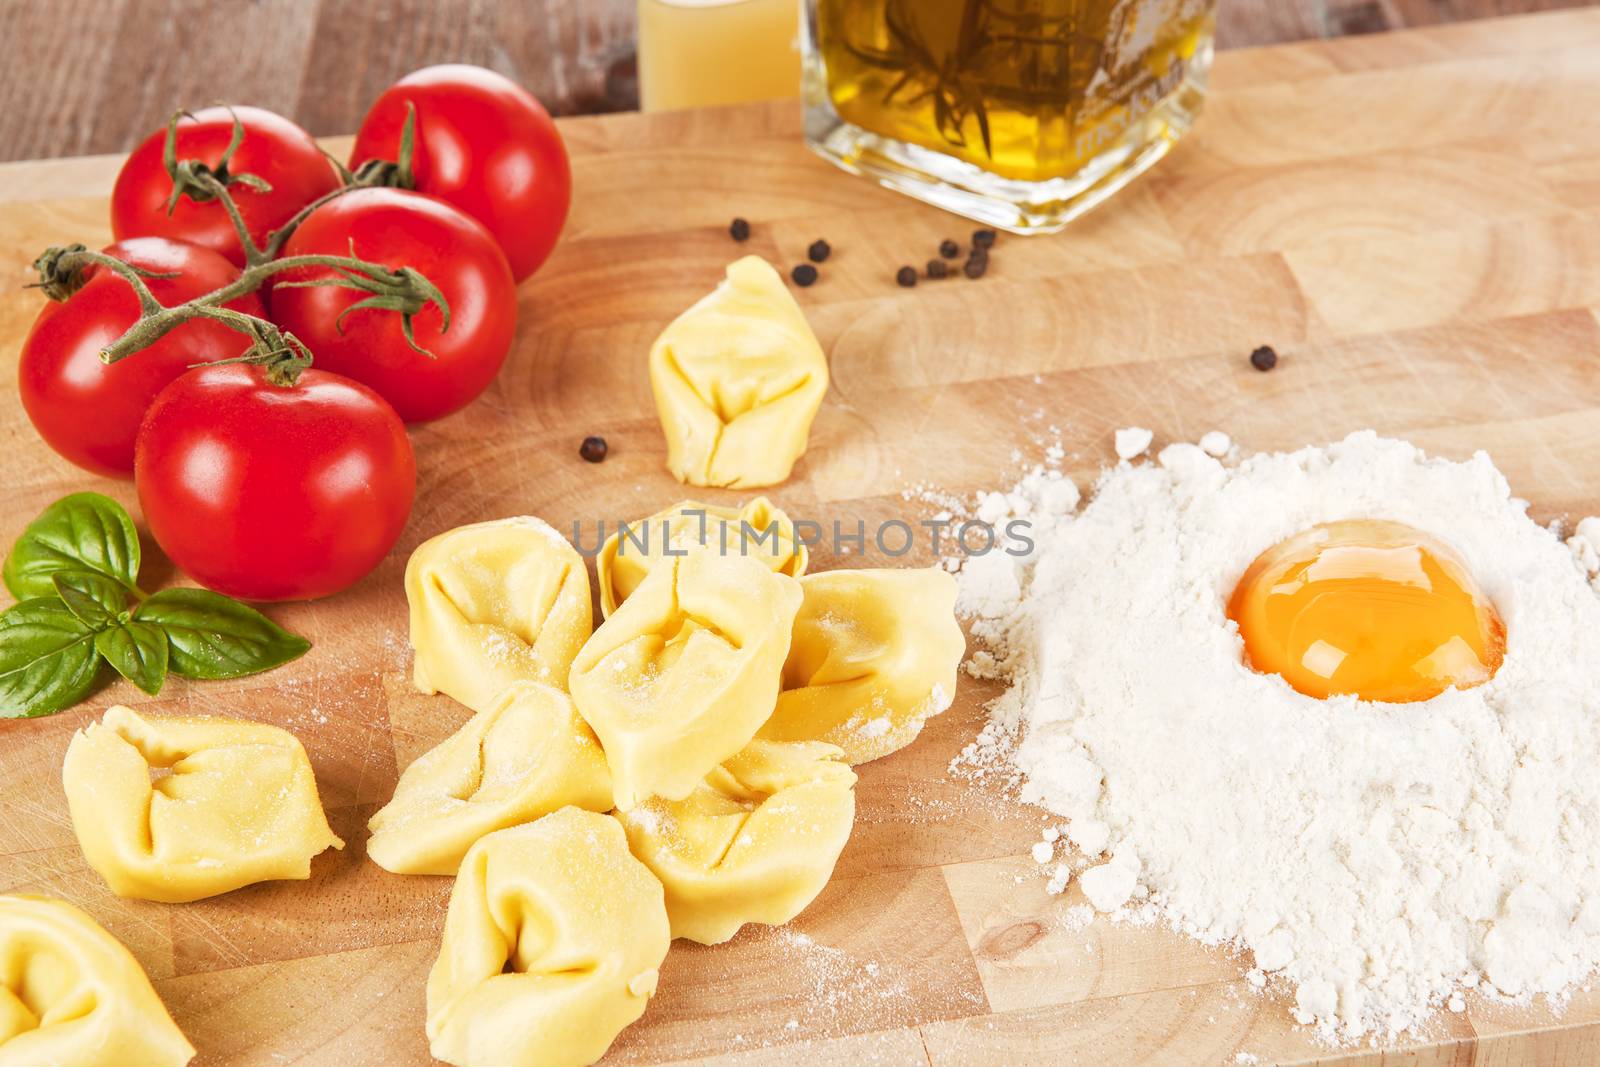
72, 996
737, 379
755, 842
237, 805
552, 945
495, 603
873, 657
758, 530
685, 672
525, 755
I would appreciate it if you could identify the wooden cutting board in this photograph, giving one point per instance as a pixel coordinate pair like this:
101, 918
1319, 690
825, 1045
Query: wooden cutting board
1413, 220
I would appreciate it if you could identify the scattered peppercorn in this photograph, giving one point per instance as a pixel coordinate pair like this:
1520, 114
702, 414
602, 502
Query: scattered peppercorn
975, 266
803, 274
949, 249
1264, 358
938, 268
982, 238
593, 449
906, 276
739, 230
819, 251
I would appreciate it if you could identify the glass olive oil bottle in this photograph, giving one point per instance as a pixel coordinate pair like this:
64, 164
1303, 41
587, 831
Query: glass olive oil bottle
1022, 113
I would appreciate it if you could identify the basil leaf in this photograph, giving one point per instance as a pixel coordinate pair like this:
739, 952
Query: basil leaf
213, 636
47, 658
138, 650
81, 532
93, 598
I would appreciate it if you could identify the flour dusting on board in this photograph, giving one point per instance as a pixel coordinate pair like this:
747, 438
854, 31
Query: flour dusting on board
1378, 860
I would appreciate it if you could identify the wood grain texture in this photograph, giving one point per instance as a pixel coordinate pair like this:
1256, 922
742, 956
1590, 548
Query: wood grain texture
1411, 219
86, 76
90, 76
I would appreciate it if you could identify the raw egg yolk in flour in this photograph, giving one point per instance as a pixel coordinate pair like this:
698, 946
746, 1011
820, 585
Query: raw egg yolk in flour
1377, 609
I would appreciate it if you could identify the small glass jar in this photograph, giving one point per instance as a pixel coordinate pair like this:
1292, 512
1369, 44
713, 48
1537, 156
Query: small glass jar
705, 53
1022, 114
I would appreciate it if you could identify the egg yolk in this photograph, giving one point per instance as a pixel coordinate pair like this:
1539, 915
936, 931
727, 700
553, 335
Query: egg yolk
1377, 609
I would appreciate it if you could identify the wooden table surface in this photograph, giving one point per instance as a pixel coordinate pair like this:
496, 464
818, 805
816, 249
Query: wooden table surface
1413, 220
98, 75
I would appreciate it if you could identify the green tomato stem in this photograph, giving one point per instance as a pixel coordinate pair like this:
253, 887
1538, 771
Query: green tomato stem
405, 290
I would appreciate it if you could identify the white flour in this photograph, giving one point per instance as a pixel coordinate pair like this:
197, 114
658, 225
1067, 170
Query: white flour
1377, 858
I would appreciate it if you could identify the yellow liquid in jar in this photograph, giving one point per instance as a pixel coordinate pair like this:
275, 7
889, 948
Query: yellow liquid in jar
1377, 609
706, 53
1026, 89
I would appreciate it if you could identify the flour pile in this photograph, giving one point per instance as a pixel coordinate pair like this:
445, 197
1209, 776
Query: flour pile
1381, 858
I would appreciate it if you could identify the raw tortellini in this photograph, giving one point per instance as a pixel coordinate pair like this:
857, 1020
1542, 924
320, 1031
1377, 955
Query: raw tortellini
737, 380
237, 805
72, 996
758, 530
495, 603
525, 755
755, 842
874, 656
551, 946
685, 672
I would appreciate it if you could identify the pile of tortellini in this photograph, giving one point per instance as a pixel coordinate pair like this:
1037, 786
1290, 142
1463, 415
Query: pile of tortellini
680, 771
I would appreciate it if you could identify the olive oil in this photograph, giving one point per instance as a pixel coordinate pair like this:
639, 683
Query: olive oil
1029, 90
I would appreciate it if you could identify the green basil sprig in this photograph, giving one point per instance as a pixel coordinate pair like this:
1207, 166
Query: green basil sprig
74, 572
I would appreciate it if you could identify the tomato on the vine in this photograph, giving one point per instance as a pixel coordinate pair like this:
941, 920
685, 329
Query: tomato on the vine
453, 251
89, 411
268, 491
484, 144
274, 150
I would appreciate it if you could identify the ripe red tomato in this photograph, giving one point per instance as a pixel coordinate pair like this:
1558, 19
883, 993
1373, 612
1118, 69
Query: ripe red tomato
398, 228
90, 412
270, 492
484, 144
274, 149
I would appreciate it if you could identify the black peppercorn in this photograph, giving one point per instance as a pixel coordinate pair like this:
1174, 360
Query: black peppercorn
982, 238
739, 230
593, 449
803, 274
1264, 358
938, 268
906, 276
975, 266
818, 251
949, 249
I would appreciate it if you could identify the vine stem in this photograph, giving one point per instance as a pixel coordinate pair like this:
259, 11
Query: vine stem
403, 290
253, 256
258, 255
396, 174
148, 304
408, 288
